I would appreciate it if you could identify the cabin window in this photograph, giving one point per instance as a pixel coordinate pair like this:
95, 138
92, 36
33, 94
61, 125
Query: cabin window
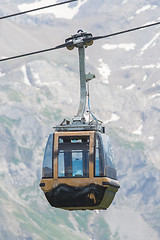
73, 156
104, 161
109, 165
99, 161
48, 156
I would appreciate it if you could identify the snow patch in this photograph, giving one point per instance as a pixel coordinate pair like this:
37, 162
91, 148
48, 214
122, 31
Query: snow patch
151, 66
149, 44
151, 138
39, 83
124, 2
155, 95
113, 118
130, 18
26, 80
62, 11
129, 67
125, 46
37, 78
104, 70
130, 87
145, 8
138, 131
145, 77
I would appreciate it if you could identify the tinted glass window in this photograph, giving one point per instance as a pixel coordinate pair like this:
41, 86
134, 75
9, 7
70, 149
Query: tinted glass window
99, 160
47, 161
73, 156
104, 161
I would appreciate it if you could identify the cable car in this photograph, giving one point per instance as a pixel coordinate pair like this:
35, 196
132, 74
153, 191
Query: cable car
78, 167
78, 170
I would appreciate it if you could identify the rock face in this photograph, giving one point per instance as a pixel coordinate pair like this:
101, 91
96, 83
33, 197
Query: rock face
38, 92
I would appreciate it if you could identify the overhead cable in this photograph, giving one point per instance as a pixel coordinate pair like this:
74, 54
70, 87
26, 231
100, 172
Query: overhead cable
36, 9
35, 52
85, 40
125, 31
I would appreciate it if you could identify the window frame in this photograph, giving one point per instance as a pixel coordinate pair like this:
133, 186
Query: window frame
52, 170
75, 148
90, 134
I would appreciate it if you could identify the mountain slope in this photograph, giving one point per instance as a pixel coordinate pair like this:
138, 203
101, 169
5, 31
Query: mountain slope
38, 92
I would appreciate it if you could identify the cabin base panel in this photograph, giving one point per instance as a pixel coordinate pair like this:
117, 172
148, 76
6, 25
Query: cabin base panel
88, 197
65, 196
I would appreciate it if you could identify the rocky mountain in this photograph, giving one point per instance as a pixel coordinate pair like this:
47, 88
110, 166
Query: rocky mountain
39, 91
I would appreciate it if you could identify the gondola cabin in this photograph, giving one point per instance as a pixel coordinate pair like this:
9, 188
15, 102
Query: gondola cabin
78, 168
79, 171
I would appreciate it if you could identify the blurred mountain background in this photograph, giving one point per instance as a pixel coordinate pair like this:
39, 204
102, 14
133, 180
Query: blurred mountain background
38, 92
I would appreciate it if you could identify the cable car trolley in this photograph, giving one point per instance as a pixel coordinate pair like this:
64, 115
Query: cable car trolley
78, 167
